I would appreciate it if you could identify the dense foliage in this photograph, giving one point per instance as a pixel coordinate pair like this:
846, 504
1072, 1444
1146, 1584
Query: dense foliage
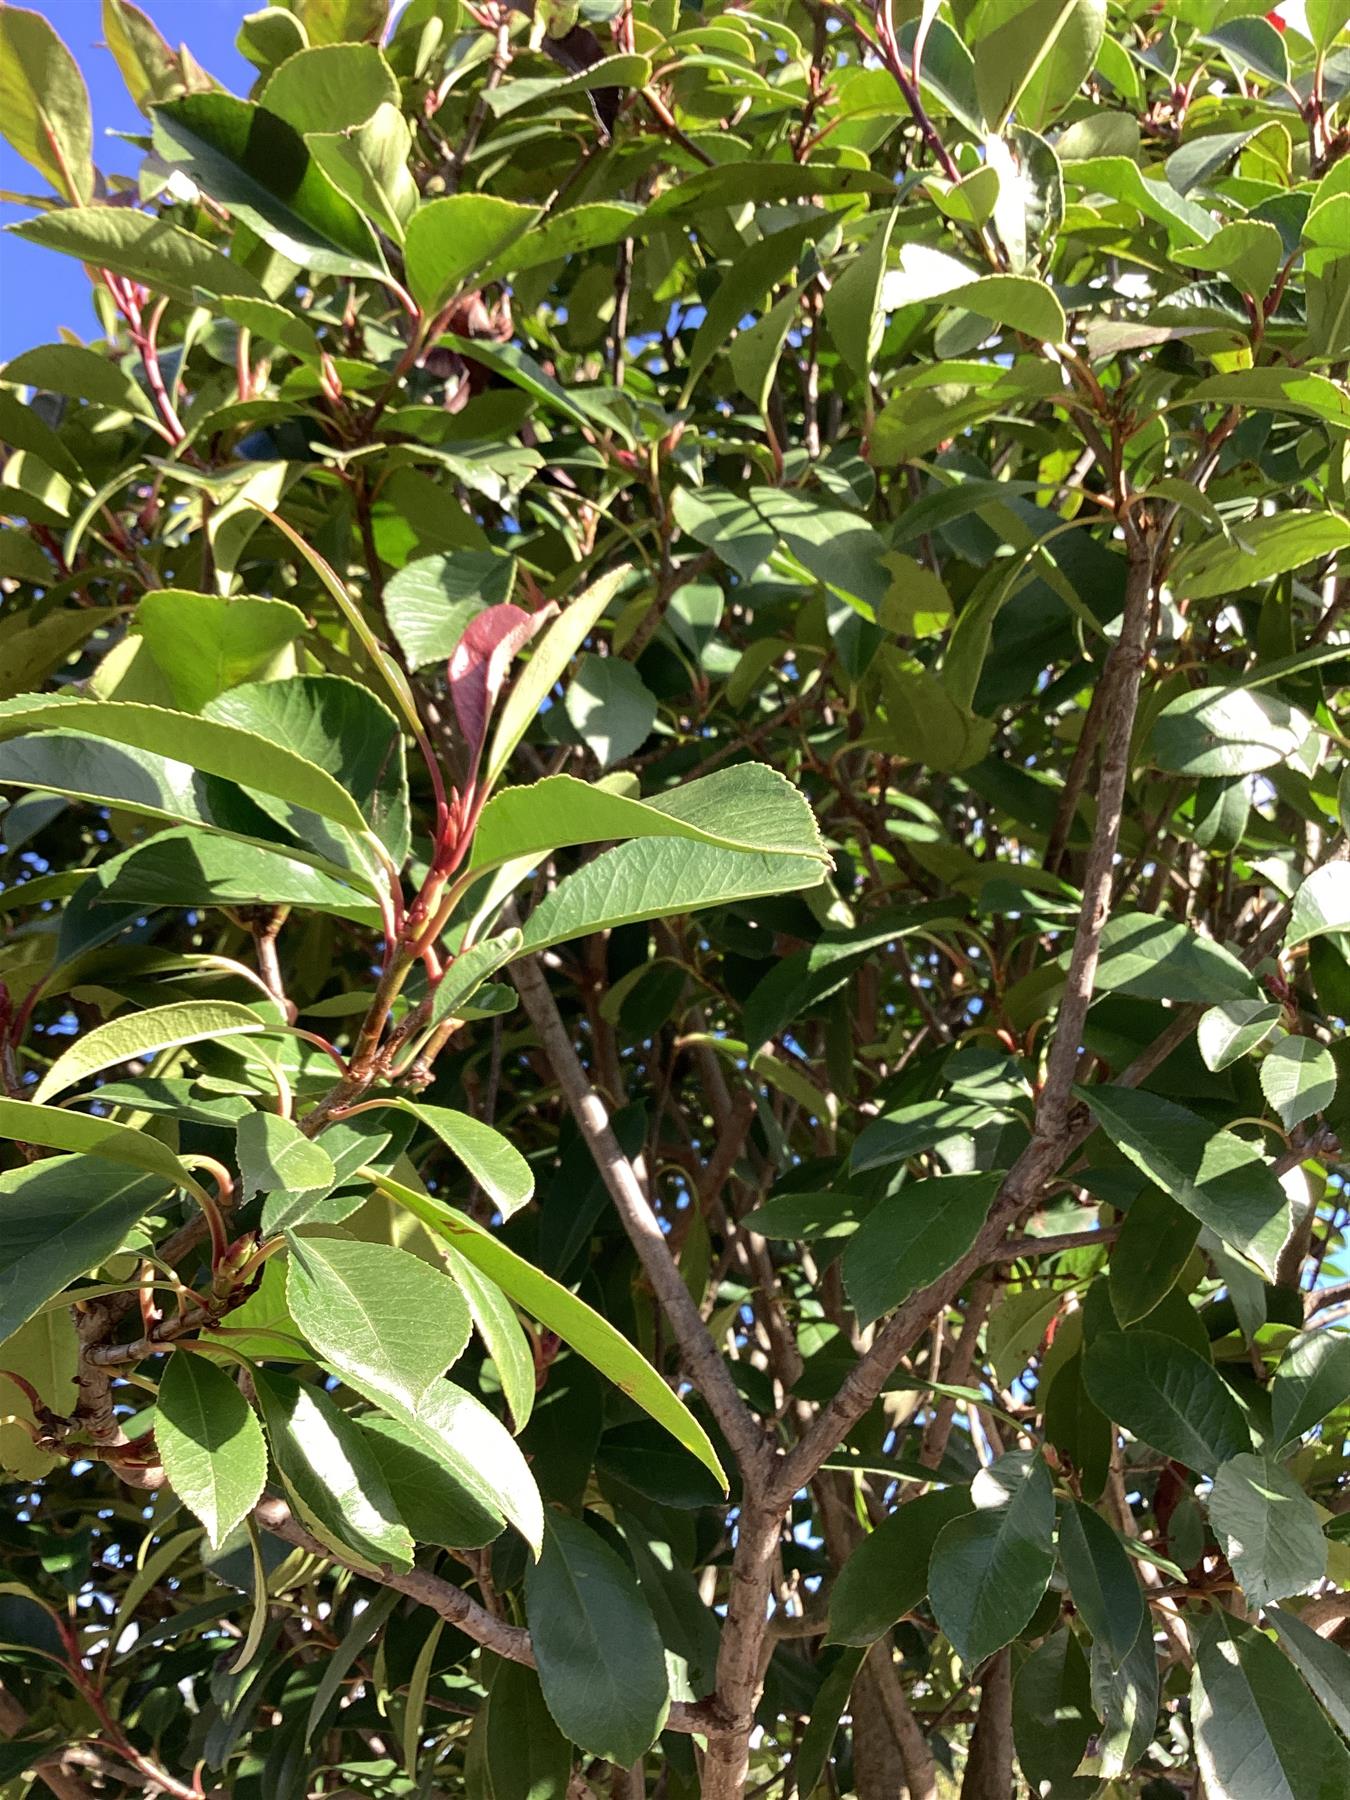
669, 709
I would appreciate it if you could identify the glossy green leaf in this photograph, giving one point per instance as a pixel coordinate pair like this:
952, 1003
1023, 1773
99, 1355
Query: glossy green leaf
570, 1318
450, 239
887, 1575
990, 1568
430, 601
1321, 904
1298, 1079
275, 1154
610, 707
1312, 1379
1167, 1396
77, 372
831, 1702
197, 868
329, 87
492, 1160
1259, 1734
385, 1320
44, 104
210, 1442
368, 163
1267, 545
1101, 1579
601, 1665
152, 250
55, 1128
329, 1471
468, 971
1156, 959
59, 1218
1217, 1176
141, 1034
915, 1235
1233, 1030
501, 1334
441, 1498
1125, 1694
1228, 732
1018, 301
204, 643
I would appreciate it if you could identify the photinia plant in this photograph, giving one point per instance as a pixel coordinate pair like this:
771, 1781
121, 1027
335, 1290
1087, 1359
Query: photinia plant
676, 907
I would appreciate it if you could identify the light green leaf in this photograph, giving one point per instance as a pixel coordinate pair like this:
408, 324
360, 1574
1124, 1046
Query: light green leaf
46, 1353
331, 87
369, 164
990, 1568
205, 643
430, 601
193, 867
44, 104
1125, 1693
1270, 544
912, 1237
1167, 1396
598, 1651
610, 708
586, 227
59, 1218
210, 747
387, 1321
1234, 1029
141, 1034
571, 1319
147, 249
450, 239
1249, 250
77, 372
1268, 1527
549, 658
210, 1443
1312, 1380
1032, 57
887, 1575
442, 1500
655, 877
259, 166
330, 1471
469, 970
501, 1333
853, 306
1298, 1079
491, 1159
1223, 1180
24, 1122
1018, 301
1322, 904
1156, 959
275, 1154
1259, 1734
1229, 732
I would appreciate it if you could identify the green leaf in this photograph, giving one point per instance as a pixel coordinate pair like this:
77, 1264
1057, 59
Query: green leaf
1248, 250
1018, 301
274, 1154
210, 1443
653, 878
552, 652
450, 239
580, 228
831, 1700
369, 164
854, 310
1017, 1327
491, 1159
1032, 57
1101, 1579
1228, 732
331, 87
441, 1500
887, 1575
1323, 1665
990, 1568
470, 969
1167, 1396
24, 1122
599, 1654
1155, 959
1269, 1529
1298, 1079
932, 403
1297, 391
1234, 1029
141, 1034
1052, 1717
610, 707
193, 867
501, 1333
569, 1318
748, 807
77, 372
329, 1471
147, 249
912, 1237
1154, 1246
44, 104
204, 643
259, 166
1321, 905
337, 726
211, 747
1312, 1380
1270, 544
528, 1758
1259, 1734
385, 1320
60, 1218
430, 601
1225, 1182
1125, 1693
46, 1353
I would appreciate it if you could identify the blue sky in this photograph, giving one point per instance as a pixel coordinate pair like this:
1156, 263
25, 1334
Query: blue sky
40, 291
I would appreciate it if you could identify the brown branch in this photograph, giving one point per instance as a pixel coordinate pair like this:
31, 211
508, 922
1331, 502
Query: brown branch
702, 1360
452, 1604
